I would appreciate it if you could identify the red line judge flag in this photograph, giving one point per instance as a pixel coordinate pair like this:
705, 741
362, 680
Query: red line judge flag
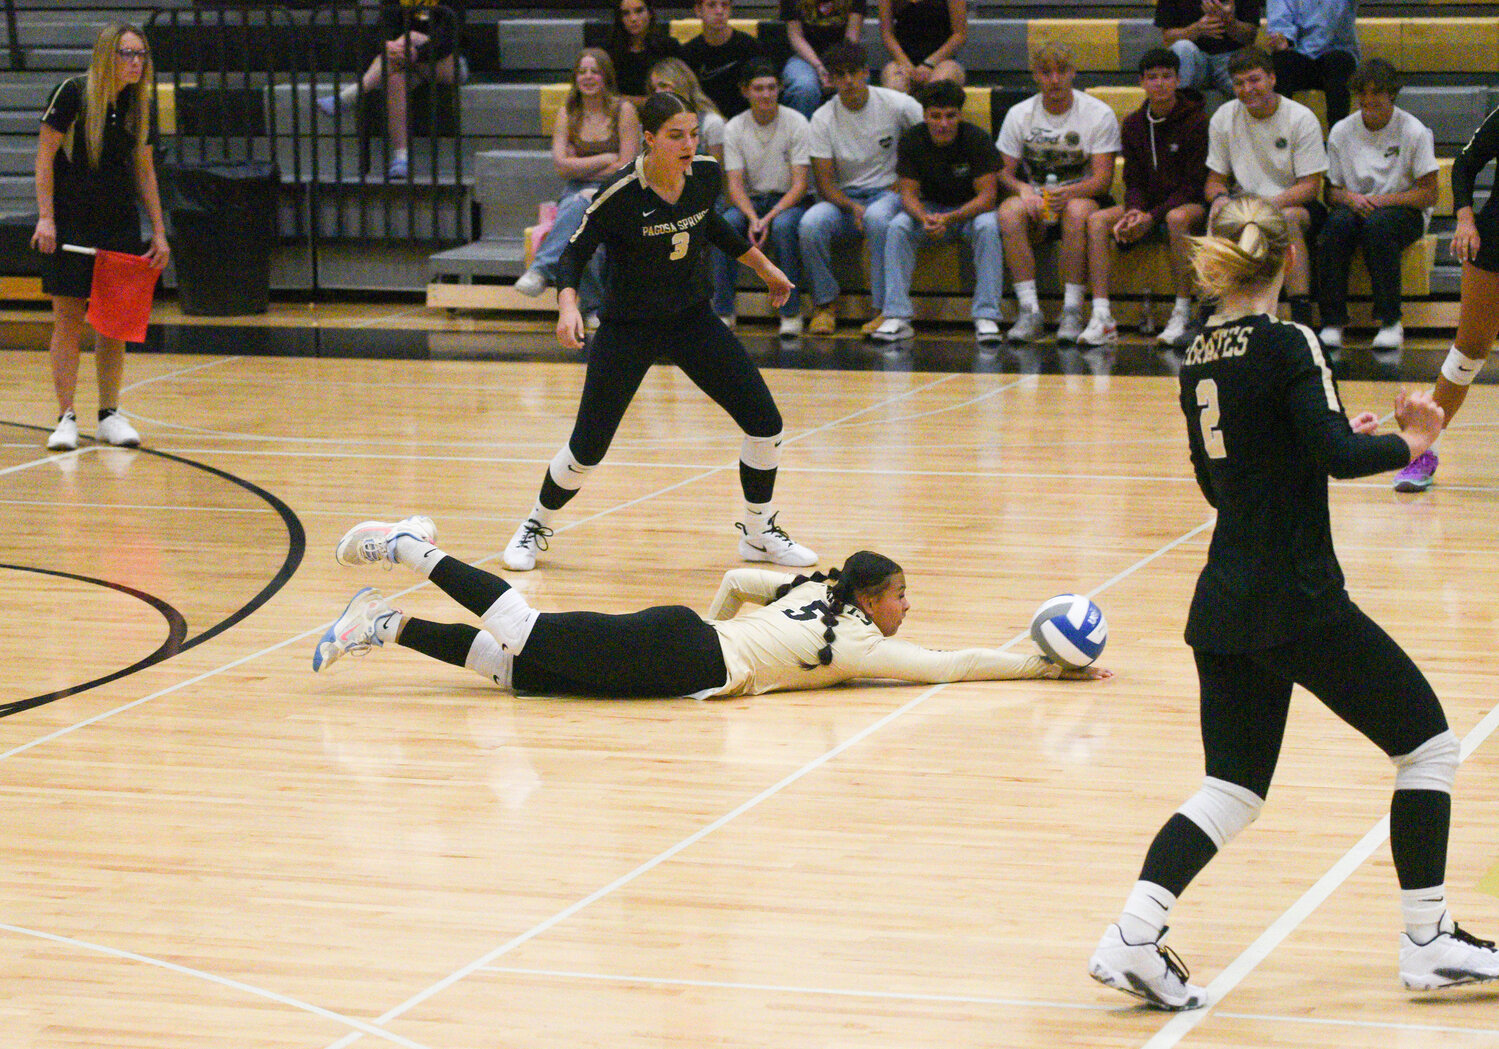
119, 303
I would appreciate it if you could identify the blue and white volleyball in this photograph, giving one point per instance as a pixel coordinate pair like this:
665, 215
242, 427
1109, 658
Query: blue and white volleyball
1070, 629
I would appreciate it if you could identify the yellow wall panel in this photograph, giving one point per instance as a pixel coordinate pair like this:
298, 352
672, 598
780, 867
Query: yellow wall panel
1095, 41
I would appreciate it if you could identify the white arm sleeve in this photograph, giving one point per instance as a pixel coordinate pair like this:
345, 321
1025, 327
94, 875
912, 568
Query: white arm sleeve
891, 658
745, 584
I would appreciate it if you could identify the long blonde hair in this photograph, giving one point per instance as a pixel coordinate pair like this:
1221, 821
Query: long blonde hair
685, 83
99, 92
1244, 249
609, 97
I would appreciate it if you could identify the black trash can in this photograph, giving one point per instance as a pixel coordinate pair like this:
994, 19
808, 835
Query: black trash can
223, 230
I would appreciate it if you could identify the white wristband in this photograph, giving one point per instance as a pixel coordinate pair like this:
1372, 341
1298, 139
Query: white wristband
1460, 369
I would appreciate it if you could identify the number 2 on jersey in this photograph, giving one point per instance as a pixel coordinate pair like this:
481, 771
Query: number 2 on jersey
679, 246
1212, 437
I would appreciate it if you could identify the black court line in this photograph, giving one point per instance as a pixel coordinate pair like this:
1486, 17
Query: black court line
177, 641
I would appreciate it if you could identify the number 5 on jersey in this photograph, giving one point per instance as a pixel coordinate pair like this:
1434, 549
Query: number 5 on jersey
1212, 437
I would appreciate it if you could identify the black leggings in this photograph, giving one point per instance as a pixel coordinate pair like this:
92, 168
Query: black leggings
664, 651
1350, 664
696, 341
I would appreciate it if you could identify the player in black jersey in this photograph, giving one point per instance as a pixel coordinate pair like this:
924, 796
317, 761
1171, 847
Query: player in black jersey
1476, 245
657, 218
1266, 430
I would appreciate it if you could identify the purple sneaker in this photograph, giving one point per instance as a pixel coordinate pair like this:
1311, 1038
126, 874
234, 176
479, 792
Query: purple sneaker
1417, 477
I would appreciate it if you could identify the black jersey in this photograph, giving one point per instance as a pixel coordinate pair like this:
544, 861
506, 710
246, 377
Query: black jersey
93, 206
656, 260
1475, 156
1266, 429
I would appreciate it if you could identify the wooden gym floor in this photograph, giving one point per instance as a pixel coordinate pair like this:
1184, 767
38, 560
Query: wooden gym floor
204, 844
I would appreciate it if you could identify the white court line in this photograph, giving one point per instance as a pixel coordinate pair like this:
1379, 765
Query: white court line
179, 372
44, 460
703, 832
1181, 1024
222, 981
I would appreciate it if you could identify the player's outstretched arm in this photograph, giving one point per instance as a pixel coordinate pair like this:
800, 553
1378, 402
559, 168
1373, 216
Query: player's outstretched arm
776, 282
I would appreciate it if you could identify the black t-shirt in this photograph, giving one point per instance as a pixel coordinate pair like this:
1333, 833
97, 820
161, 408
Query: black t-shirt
1266, 429
656, 261
946, 173
632, 69
717, 68
921, 26
823, 22
91, 202
1178, 14
437, 24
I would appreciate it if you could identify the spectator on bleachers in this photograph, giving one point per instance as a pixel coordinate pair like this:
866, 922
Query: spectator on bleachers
1165, 165
1382, 185
1315, 47
945, 174
1057, 163
766, 174
421, 42
1205, 34
813, 26
718, 54
595, 134
1271, 146
637, 41
852, 146
922, 36
672, 74
93, 163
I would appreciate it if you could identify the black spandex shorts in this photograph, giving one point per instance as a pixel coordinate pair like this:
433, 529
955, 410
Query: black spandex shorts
664, 651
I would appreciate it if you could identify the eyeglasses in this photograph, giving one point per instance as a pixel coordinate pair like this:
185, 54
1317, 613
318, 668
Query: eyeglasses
129, 54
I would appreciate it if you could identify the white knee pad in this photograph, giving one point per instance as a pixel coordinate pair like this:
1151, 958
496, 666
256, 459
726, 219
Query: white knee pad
1222, 809
1431, 766
487, 659
761, 453
1460, 369
510, 620
566, 471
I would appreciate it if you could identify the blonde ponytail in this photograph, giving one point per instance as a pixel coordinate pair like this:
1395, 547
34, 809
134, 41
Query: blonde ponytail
1245, 247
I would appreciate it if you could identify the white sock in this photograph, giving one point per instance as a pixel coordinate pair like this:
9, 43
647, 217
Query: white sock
1183, 307
489, 660
401, 154
756, 515
1145, 913
421, 558
1423, 911
541, 515
1073, 295
1025, 292
388, 627
1101, 309
350, 94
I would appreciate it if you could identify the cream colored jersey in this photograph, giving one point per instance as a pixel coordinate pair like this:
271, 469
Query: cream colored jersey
766, 648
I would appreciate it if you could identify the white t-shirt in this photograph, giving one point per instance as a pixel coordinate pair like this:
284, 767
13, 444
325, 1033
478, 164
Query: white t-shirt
1060, 144
1389, 160
862, 145
1265, 157
710, 129
766, 153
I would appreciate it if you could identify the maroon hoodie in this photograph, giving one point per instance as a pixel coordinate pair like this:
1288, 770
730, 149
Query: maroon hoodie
1165, 162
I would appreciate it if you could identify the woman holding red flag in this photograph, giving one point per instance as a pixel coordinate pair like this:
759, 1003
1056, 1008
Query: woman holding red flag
93, 162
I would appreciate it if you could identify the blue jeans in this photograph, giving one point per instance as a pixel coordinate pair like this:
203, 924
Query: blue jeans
826, 222
784, 245
801, 88
1202, 70
982, 234
571, 206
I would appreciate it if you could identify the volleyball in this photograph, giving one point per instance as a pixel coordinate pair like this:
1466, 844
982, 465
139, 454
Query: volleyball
1070, 629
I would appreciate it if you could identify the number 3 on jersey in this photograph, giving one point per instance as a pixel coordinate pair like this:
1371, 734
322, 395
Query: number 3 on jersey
1212, 437
679, 246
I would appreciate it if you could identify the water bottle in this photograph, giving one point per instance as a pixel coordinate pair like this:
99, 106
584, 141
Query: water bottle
1050, 211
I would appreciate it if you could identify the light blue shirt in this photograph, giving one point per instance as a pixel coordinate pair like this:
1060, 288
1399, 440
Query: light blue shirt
1314, 27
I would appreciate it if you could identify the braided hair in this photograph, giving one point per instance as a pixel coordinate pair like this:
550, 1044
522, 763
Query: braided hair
864, 574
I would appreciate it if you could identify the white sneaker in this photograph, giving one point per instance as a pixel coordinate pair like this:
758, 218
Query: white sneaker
1450, 958
520, 555
1150, 972
1101, 331
65, 437
775, 546
791, 327
531, 283
592, 322
1027, 326
1390, 337
893, 329
728, 320
1331, 337
115, 429
1175, 332
986, 330
353, 633
1069, 325
374, 542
